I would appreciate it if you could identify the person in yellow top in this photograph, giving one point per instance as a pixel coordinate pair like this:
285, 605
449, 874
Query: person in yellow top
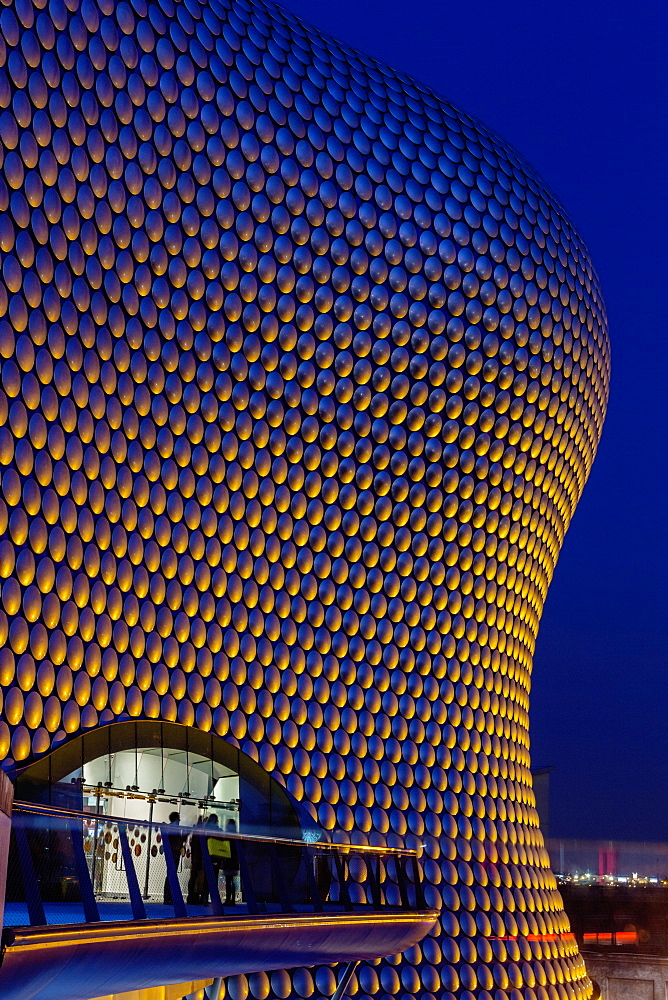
224, 857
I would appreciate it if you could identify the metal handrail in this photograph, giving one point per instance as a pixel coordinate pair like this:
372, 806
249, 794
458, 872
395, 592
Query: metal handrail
46, 810
71, 856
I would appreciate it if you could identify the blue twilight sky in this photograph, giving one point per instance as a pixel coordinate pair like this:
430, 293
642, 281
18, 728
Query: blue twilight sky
580, 88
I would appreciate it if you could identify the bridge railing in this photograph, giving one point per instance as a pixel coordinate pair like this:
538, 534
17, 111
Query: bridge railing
68, 867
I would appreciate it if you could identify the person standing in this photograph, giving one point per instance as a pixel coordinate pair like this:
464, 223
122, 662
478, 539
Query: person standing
215, 848
230, 864
174, 845
197, 891
223, 854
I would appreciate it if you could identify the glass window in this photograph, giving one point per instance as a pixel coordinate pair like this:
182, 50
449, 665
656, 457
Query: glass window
151, 782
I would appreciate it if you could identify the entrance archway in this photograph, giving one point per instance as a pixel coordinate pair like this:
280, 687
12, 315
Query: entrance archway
142, 769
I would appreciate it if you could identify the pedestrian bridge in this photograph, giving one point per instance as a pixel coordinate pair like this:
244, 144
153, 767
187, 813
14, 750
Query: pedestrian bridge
96, 905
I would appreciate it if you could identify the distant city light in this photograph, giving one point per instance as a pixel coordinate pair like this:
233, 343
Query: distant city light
587, 878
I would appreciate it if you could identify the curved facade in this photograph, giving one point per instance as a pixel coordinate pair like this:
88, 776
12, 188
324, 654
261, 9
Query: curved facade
303, 373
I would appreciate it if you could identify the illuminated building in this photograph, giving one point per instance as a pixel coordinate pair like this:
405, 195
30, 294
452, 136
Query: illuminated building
303, 373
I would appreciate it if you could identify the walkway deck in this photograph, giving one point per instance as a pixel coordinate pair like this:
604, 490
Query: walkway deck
79, 961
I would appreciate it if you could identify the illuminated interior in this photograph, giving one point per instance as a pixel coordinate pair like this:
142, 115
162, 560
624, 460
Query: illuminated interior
145, 770
152, 782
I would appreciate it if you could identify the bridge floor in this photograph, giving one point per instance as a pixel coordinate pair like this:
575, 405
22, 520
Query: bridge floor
79, 961
16, 914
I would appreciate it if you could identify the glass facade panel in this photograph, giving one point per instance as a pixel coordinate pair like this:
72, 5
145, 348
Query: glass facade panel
152, 782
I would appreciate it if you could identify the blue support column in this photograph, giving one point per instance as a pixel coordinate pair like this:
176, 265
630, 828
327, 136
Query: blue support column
344, 894
6, 798
246, 880
30, 884
172, 874
286, 905
311, 879
346, 976
136, 902
88, 900
212, 882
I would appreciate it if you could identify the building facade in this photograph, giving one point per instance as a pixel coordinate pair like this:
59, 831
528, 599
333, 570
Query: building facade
628, 976
303, 373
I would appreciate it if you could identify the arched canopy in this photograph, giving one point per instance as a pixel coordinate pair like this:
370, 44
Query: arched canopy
265, 805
